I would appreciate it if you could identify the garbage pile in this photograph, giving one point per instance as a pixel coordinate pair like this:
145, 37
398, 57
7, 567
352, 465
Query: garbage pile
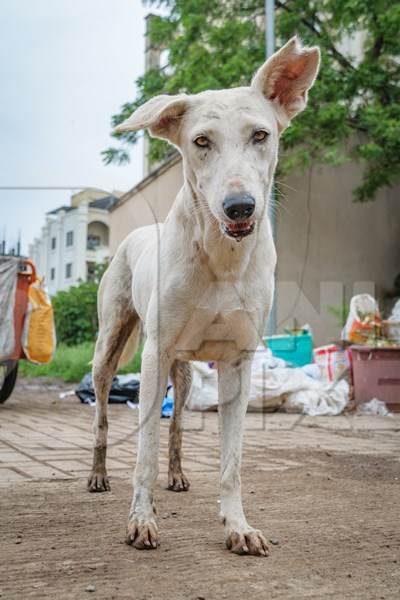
362, 370
365, 326
275, 385
124, 390
375, 352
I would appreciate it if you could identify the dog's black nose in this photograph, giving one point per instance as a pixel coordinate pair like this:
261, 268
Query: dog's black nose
239, 207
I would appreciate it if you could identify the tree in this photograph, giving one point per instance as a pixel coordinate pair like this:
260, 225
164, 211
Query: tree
75, 311
354, 107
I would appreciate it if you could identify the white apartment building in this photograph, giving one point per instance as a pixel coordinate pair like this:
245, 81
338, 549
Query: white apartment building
73, 240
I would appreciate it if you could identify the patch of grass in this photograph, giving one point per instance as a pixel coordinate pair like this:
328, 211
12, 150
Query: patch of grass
71, 363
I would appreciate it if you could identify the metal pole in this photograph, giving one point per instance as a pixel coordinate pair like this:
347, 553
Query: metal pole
269, 50
269, 27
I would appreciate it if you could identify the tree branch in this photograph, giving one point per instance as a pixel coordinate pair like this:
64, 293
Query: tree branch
377, 47
342, 60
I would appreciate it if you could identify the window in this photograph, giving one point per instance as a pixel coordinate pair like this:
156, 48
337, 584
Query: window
52, 271
70, 238
53, 243
93, 241
68, 270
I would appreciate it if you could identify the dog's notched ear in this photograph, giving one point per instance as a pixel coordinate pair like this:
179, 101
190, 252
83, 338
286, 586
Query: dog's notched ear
161, 115
286, 77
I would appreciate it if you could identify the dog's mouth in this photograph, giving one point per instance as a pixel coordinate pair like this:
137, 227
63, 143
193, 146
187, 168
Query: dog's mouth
238, 231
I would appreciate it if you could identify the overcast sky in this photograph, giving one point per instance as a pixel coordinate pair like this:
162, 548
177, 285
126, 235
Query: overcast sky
65, 66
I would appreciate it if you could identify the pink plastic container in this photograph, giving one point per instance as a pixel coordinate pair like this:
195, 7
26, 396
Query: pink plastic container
376, 374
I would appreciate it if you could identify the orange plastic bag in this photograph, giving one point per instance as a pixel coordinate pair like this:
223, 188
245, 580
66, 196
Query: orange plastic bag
364, 322
39, 333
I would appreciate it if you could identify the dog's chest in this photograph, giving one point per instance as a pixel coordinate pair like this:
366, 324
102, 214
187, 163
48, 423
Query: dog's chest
222, 322
216, 338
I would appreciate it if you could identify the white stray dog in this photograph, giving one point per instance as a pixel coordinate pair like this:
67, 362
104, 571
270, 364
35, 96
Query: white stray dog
200, 294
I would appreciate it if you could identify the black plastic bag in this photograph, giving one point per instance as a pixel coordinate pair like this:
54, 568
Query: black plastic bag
124, 388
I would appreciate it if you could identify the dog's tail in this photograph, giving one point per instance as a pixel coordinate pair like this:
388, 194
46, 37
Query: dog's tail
131, 346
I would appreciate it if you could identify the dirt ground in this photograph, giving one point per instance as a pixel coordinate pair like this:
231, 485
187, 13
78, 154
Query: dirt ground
325, 491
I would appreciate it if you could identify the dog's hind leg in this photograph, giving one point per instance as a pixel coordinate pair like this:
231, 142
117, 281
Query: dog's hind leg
181, 375
118, 323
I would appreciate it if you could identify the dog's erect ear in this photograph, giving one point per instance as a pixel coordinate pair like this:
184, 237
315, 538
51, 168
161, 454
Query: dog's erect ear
161, 115
286, 77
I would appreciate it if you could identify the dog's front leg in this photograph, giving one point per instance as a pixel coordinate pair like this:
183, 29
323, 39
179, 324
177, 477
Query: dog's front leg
142, 528
234, 388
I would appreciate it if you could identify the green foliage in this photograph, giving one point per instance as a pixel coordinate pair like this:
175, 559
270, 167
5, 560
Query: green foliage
71, 363
75, 311
75, 314
215, 44
340, 312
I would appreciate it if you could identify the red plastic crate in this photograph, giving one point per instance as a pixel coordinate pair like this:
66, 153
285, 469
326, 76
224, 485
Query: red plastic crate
376, 374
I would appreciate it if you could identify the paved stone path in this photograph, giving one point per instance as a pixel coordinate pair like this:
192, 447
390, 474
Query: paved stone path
44, 437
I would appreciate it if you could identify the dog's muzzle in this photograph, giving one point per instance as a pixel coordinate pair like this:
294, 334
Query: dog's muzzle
238, 231
238, 208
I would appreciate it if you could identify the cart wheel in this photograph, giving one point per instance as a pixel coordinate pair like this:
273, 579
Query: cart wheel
8, 383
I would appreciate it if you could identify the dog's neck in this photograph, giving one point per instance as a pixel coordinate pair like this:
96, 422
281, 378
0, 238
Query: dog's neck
227, 258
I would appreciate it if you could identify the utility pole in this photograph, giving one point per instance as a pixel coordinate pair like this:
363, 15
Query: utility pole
269, 50
269, 27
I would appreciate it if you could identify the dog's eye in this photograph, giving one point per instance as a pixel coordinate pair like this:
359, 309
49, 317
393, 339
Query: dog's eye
260, 136
201, 141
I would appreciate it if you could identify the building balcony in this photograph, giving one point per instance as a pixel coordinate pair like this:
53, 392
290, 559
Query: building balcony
97, 254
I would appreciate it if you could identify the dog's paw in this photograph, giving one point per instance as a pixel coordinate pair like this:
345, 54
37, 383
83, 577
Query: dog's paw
98, 482
178, 482
250, 541
142, 535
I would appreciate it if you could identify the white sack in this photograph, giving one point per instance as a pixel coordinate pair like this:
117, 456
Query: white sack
272, 385
203, 394
327, 399
8, 284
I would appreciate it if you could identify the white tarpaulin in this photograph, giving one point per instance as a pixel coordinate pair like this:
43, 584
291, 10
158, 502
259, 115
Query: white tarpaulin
272, 386
8, 283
